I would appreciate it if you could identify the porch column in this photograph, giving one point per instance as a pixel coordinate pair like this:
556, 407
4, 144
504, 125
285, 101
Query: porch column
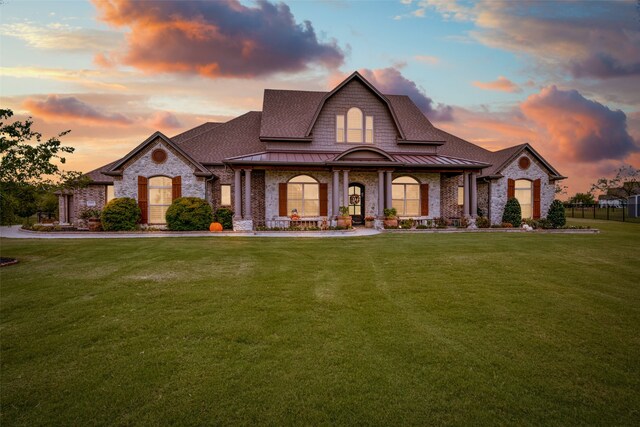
387, 191
62, 208
237, 198
335, 193
465, 182
345, 188
474, 195
247, 194
380, 193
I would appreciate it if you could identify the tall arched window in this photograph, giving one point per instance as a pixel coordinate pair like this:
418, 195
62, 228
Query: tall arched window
524, 194
303, 195
160, 198
358, 128
405, 196
354, 125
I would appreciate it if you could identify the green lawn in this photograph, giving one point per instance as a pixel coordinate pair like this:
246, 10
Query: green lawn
392, 329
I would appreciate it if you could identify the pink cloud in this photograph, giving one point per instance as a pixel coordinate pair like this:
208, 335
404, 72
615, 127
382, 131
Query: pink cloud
164, 120
215, 39
502, 84
71, 108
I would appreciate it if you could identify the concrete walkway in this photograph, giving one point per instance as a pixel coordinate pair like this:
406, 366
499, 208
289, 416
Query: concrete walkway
16, 232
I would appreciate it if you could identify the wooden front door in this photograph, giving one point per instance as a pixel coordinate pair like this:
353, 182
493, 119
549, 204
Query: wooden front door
356, 203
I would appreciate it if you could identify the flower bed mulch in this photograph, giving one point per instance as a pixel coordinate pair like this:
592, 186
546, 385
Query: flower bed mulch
7, 261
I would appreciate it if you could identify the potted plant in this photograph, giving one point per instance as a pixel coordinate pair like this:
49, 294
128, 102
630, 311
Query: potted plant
92, 218
344, 219
390, 217
368, 221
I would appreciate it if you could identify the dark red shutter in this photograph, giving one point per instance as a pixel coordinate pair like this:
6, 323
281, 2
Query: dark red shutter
424, 199
142, 199
511, 189
282, 198
324, 200
176, 187
536, 199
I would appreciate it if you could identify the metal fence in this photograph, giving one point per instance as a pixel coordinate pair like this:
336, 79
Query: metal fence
596, 211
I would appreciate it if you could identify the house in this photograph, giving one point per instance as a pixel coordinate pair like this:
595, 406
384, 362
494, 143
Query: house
317, 151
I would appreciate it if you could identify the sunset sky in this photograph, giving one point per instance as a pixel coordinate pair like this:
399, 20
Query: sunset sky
563, 76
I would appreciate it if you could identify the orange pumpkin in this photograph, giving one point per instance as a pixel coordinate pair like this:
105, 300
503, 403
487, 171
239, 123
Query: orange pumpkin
215, 226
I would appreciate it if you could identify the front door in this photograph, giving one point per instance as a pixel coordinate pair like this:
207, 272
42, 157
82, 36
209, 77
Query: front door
356, 203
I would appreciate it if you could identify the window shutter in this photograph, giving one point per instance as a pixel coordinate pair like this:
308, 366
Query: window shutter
282, 198
536, 199
511, 189
176, 187
142, 199
424, 199
324, 200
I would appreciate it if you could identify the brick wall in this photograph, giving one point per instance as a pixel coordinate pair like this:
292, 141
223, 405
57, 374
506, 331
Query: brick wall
449, 207
82, 198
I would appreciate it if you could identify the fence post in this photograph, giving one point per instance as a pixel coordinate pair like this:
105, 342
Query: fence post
582, 209
573, 214
594, 211
624, 208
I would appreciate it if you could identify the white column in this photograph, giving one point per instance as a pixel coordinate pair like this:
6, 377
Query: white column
345, 188
388, 202
335, 193
237, 196
247, 194
62, 208
465, 182
380, 193
474, 195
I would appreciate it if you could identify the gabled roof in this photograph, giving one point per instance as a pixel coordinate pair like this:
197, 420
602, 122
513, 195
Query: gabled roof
115, 169
198, 130
416, 126
286, 114
508, 155
98, 176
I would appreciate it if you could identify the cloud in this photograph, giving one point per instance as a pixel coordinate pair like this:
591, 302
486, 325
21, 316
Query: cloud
502, 84
164, 120
583, 130
391, 81
71, 108
216, 39
432, 60
84, 78
61, 37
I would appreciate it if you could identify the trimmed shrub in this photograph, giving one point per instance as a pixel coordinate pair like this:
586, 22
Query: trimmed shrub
556, 214
483, 222
512, 212
545, 224
189, 214
120, 214
225, 217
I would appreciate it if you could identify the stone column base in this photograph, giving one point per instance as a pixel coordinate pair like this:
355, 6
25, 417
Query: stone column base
242, 225
378, 224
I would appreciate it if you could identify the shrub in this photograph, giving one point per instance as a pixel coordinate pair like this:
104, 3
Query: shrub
421, 227
390, 213
544, 223
225, 217
88, 213
506, 225
464, 222
531, 223
189, 214
120, 214
556, 214
512, 212
406, 223
483, 222
442, 222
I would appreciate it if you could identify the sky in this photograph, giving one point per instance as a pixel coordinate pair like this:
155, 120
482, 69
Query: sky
562, 76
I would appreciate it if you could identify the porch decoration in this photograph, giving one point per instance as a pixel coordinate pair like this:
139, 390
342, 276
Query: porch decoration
369, 221
294, 215
344, 219
215, 227
390, 217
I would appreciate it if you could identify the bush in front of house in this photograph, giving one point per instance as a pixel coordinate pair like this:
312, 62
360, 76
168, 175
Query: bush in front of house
120, 214
556, 214
512, 213
189, 214
225, 217
483, 222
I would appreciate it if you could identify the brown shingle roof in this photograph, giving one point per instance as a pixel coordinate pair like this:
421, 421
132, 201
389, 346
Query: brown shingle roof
205, 127
98, 176
288, 113
234, 138
414, 123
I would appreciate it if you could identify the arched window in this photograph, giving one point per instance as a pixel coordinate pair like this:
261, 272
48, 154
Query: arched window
405, 196
524, 194
358, 128
303, 195
160, 198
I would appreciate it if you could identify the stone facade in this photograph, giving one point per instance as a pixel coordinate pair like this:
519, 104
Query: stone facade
449, 207
89, 197
535, 171
174, 165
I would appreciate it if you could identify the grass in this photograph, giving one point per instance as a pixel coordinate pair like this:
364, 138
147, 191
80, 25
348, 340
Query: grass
392, 329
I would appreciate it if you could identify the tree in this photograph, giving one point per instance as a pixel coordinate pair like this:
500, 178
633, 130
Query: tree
556, 214
626, 183
29, 167
582, 199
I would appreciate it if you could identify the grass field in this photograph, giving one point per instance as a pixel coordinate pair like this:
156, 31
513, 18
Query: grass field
385, 330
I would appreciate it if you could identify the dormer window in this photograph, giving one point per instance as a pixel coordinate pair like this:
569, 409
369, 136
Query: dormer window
357, 128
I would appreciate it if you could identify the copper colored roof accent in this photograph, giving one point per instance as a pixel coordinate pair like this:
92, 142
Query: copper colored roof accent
233, 138
287, 113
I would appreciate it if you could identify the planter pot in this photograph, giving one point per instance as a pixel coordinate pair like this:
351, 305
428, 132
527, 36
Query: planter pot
368, 224
94, 224
344, 221
390, 222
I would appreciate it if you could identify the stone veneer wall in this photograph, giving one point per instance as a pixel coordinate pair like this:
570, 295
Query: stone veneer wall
449, 207
175, 165
368, 179
483, 197
82, 197
513, 171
